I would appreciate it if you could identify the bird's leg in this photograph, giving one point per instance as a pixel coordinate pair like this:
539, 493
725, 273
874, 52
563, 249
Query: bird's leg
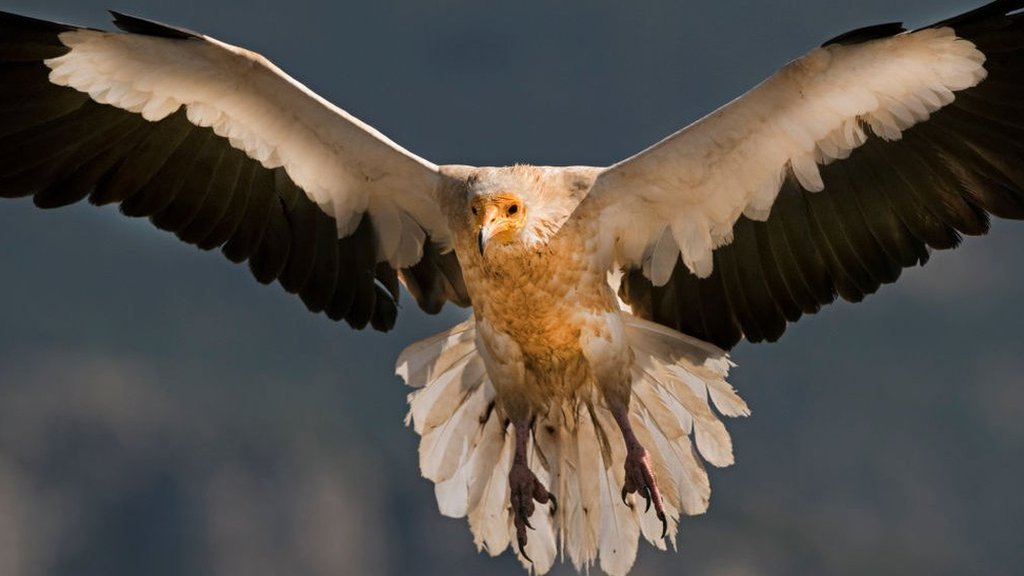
639, 475
524, 487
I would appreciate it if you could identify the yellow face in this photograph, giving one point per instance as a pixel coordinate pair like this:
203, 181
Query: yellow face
498, 218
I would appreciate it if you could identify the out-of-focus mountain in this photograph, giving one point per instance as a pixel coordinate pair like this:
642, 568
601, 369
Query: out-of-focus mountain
161, 413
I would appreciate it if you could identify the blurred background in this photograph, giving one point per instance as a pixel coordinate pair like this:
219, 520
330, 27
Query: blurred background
163, 414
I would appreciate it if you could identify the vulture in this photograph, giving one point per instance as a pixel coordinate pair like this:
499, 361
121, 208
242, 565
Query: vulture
574, 411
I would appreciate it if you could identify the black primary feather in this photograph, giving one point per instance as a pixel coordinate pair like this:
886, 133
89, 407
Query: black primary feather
59, 146
882, 208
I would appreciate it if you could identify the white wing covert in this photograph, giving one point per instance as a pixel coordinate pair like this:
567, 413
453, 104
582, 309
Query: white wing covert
216, 144
838, 171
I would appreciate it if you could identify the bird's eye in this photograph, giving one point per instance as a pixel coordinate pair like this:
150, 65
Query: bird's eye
475, 211
513, 209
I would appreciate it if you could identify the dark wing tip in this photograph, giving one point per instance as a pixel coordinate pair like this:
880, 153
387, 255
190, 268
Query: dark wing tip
17, 20
877, 31
150, 28
990, 10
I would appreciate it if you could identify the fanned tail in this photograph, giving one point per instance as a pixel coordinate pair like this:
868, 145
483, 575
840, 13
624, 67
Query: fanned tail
576, 450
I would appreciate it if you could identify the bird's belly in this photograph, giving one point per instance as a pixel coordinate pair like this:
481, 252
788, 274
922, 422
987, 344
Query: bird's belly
535, 362
544, 331
532, 321
540, 307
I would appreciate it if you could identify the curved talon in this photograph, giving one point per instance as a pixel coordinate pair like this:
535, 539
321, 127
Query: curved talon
522, 548
526, 517
640, 480
554, 503
524, 490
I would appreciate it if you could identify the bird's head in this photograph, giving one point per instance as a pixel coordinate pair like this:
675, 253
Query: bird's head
518, 209
498, 218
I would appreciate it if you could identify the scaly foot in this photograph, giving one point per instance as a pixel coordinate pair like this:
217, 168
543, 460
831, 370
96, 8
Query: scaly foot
525, 488
640, 479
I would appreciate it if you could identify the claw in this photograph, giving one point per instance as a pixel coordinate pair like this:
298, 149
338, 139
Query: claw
540, 493
554, 503
641, 481
524, 490
522, 548
526, 517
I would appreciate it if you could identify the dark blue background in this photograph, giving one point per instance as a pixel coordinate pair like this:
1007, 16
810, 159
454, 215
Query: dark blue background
162, 414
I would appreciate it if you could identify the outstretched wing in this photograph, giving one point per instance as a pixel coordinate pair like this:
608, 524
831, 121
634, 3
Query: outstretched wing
217, 145
828, 178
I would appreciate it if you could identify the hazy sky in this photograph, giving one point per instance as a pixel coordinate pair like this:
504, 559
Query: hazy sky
548, 83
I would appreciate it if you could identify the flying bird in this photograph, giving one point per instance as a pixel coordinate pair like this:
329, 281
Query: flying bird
574, 411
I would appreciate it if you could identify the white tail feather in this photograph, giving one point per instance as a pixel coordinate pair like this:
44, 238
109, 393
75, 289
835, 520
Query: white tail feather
490, 521
576, 450
620, 531
542, 546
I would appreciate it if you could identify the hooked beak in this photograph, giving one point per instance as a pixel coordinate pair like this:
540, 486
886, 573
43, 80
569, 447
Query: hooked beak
485, 234
488, 228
